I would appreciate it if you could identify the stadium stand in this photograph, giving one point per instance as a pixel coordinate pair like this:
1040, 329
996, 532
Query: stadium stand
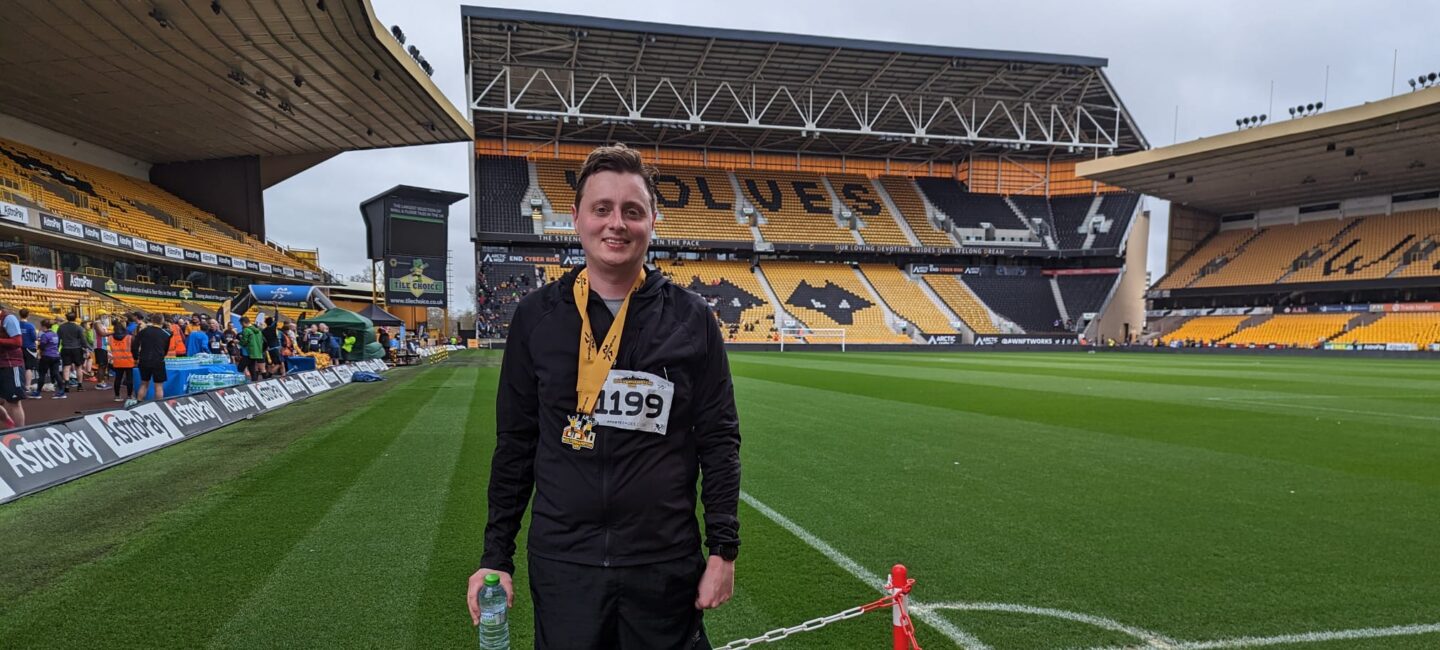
968, 210
1211, 255
830, 296
1068, 217
1204, 329
963, 302
1362, 248
1371, 248
1027, 300
904, 297
1120, 209
57, 302
697, 203
557, 181
1034, 207
1298, 330
795, 207
100, 197
500, 186
734, 294
1421, 329
912, 208
1266, 258
1084, 293
858, 194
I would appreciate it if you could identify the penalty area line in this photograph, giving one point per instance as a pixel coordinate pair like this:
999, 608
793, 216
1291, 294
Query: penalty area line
917, 608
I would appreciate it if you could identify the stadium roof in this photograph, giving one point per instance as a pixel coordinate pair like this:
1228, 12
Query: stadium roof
537, 75
171, 81
1380, 148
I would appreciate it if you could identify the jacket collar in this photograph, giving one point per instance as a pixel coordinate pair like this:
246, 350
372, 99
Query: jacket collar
655, 281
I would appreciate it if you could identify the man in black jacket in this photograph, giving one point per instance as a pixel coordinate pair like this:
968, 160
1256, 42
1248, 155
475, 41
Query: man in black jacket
149, 347
615, 397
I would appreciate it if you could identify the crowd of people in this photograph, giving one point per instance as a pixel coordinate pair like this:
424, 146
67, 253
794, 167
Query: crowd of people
495, 302
61, 355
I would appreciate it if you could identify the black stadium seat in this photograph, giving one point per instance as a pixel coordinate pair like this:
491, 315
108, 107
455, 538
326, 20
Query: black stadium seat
500, 185
1025, 299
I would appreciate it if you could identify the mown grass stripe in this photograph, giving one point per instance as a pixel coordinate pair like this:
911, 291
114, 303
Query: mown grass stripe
370, 551
441, 620
82, 521
173, 585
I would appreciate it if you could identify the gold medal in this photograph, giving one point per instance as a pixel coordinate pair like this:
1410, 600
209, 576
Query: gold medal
580, 433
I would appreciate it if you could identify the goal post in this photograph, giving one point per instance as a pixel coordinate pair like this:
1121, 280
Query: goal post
808, 335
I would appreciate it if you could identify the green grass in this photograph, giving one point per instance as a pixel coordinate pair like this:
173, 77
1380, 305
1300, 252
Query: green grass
1200, 498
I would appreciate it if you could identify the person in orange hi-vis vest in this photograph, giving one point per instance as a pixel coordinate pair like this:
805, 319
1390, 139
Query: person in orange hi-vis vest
177, 341
122, 363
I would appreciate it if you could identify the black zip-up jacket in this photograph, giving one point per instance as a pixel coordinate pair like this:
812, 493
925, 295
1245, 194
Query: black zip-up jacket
150, 345
630, 500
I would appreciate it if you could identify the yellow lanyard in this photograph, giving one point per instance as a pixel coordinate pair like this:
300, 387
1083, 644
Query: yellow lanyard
592, 372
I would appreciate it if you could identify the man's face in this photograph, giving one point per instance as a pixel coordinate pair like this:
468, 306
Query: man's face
614, 221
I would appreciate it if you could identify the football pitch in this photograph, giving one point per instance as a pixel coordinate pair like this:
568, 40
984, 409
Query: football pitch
1055, 500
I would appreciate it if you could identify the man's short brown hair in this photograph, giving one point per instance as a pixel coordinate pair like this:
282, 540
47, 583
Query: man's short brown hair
618, 158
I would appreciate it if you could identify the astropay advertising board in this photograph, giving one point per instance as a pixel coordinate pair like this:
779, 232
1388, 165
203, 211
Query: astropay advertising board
44, 456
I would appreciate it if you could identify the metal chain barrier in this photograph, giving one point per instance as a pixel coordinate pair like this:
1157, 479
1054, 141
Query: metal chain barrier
895, 600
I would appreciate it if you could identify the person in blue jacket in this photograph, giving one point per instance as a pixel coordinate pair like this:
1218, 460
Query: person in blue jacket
198, 341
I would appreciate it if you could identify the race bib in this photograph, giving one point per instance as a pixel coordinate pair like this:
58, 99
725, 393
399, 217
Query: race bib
638, 401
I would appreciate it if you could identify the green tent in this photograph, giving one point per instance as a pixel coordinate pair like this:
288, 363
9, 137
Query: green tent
341, 321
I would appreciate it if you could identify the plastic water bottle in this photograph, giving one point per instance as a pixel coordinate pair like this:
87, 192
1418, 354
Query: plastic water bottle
494, 619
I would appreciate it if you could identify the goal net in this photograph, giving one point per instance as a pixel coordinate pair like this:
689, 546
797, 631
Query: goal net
806, 335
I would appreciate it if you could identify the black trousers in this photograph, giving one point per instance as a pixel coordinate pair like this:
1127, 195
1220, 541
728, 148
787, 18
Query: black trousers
630, 608
124, 376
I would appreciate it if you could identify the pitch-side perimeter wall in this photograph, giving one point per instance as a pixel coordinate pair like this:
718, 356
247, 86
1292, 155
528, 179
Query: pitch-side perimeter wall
47, 455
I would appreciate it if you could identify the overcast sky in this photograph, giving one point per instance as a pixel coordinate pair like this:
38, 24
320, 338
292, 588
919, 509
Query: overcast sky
1214, 60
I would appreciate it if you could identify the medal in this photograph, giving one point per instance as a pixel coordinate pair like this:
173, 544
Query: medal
594, 363
580, 433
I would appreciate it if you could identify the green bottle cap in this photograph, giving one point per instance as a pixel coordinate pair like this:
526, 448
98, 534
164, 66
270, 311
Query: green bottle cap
492, 579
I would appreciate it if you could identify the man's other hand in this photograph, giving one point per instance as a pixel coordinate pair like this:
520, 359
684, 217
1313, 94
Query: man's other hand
477, 582
717, 584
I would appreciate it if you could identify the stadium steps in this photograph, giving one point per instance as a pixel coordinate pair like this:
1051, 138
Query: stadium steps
891, 319
933, 213
1163, 326
1027, 219
895, 213
973, 312
781, 316
1252, 321
837, 207
1215, 265
1059, 299
1318, 252
1089, 217
967, 333
1360, 320
534, 192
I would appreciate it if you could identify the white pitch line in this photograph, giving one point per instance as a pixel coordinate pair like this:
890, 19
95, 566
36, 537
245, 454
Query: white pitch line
1240, 400
1312, 637
1152, 639
959, 636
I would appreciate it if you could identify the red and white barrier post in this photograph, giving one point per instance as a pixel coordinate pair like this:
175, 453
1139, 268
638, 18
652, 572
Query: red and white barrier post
897, 587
